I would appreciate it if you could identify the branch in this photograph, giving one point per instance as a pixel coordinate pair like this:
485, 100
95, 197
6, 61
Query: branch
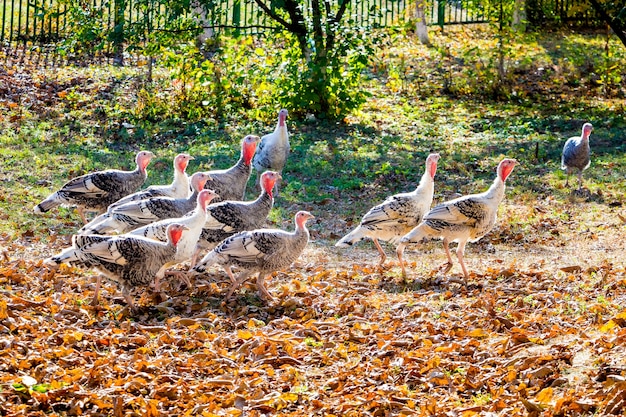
318, 33
274, 15
214, 27
614, 23
330, 40
342, 9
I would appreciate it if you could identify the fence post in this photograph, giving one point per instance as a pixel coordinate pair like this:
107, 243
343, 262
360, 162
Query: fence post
441, 13
118, 32
237, 16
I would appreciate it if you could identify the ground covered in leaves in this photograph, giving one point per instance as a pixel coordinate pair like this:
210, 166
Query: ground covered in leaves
533, 333
539, 329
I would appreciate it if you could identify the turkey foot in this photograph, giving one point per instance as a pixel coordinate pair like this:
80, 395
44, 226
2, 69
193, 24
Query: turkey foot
182, 276
445, 267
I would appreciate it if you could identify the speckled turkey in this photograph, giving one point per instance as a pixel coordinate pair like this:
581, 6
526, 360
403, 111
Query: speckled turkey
97, 190
260, 251
194, 220
229, 217
273, 150
577, 154
397, 215
466, 218
131, 261
230, 184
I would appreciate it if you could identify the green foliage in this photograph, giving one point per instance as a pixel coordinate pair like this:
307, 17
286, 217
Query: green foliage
328, 87
86, 35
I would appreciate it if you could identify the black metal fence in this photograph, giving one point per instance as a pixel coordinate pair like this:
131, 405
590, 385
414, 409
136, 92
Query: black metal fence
38, 29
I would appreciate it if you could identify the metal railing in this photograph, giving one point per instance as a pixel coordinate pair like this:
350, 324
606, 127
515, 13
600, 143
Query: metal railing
40, 27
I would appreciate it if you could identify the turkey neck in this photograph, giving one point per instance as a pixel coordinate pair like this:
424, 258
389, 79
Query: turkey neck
427, 184
242, 167
263, 200
496, 191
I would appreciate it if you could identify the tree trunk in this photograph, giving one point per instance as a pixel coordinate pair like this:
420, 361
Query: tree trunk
519, 16
421, 28
118, 32
618, 27
203, 19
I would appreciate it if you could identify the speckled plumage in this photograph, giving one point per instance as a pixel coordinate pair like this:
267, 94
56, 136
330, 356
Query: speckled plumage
230, 184
576, 155
97, 190
179, 188
130, 261
467, 218
397, 215
194, 220
263, 251
135, 214
274, 148
229, 217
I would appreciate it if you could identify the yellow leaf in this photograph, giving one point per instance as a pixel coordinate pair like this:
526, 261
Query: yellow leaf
3, 310
510, 376
478, 333
289, 396
621, 315
545, 395
244, 334
608, 326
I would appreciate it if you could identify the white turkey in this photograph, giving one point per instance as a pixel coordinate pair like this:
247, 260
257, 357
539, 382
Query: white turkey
131, 261
397, 215
97, 190
273, 150
179, 187
261, 251
135, 214
576, 154
466, 218
226, 218
230, 184
194, 220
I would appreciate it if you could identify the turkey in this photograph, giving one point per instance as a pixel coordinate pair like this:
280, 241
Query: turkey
397, 215
230, 184
97, 190
273, 150
466, 218
179, 188
263, 251
194, 220
576, 154
135, 214
129, 260
229, 217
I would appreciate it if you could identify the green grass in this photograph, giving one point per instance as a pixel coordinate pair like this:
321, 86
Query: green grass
336, 169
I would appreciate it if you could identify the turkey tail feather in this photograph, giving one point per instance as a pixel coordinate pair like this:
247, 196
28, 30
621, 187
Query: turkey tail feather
208, 260
415, 235
48, 204
351, 238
